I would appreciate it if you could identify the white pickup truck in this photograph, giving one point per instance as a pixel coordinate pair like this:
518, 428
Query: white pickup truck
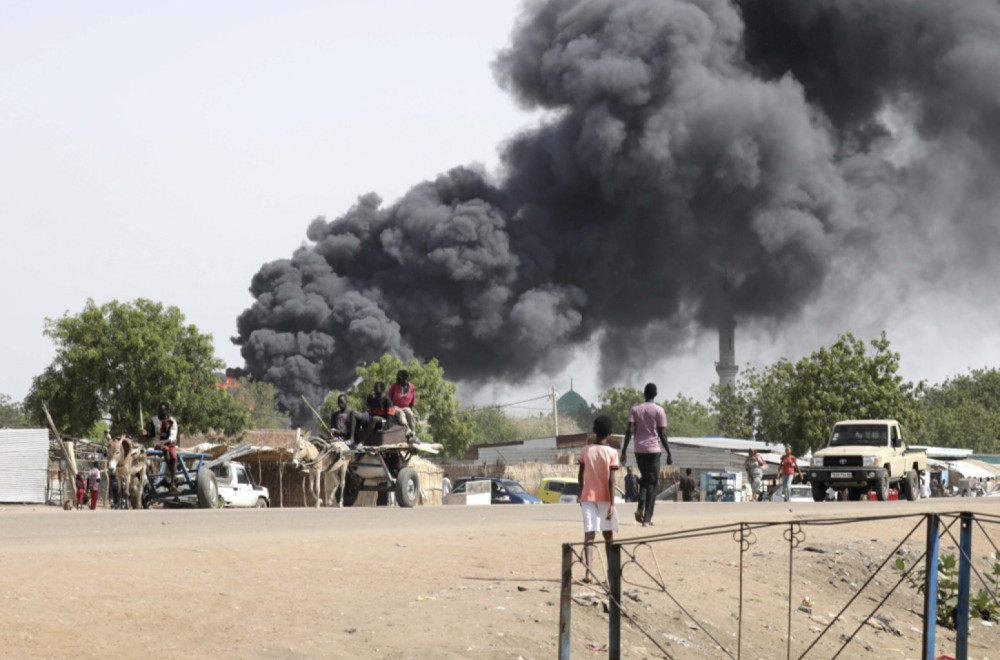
863, 455
237, 487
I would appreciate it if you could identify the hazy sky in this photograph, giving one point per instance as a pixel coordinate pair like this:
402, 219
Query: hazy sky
166, 150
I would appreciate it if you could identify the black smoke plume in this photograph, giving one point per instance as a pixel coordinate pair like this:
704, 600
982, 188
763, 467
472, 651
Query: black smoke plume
772, 143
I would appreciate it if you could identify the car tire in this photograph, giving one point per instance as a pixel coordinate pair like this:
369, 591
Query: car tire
261, 503
207, 489
407, 487
819, 491
881, 487
911, 487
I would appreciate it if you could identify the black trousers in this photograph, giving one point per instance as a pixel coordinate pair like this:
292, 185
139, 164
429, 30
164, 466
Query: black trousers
649, 479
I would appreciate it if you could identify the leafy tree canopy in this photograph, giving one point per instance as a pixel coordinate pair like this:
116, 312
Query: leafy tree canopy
964, 411
11, 414
113, 359
688, 418
490, 425
436, 403
616, 403
260, 401
798, 404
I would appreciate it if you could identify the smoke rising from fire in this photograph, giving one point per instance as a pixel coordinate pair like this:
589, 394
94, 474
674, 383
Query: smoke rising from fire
782, 145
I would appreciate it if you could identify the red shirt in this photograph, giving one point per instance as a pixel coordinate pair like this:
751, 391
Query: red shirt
788, 464
401, 399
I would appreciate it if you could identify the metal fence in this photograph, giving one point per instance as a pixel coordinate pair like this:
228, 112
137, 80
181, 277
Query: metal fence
648, 580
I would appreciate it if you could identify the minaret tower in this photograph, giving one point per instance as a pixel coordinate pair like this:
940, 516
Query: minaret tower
726, 366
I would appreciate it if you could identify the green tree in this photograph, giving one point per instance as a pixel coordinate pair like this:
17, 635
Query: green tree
113, 359
489, 425
688, 418
260, 400
436, 403
964, 411
733, 406
541, 426
11, 414
616, 402
798, 404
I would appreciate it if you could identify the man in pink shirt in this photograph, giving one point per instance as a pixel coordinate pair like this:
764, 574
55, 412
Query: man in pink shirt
648, 422
598, 462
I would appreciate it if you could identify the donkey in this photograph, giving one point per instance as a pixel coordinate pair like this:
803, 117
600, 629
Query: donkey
314, 462
128, 461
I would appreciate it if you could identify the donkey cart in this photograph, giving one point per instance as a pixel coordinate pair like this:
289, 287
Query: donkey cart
383, 466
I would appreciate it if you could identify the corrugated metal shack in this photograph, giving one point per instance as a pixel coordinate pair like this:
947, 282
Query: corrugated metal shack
24, 465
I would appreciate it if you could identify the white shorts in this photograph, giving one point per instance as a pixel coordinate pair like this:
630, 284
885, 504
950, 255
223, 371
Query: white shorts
595, 517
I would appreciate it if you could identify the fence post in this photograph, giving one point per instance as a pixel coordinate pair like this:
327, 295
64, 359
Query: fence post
931, 582
614, 601
565, 600
964, 569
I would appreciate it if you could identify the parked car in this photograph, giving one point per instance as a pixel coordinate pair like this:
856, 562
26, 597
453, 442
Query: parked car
502, 491
236, 487
563, 490
800, 493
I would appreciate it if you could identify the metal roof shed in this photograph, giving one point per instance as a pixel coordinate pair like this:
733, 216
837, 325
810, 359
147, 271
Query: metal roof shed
24, 465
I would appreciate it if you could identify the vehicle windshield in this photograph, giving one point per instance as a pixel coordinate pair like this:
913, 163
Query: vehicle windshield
872, 435
514, 487
571, 488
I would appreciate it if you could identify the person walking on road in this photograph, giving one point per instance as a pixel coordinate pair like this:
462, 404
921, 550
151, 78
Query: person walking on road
631, 485
789, 467
648, 422
598, 462
688, 487
93, 485
755, 465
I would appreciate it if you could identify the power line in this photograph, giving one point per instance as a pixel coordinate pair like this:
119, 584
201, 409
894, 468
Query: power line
506, 405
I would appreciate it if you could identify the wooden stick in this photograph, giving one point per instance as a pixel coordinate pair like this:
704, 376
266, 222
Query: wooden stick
68, 454
318, 416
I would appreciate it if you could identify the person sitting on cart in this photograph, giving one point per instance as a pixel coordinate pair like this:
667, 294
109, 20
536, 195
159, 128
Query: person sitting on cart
404, 396
344, 423
380, 415
165, 433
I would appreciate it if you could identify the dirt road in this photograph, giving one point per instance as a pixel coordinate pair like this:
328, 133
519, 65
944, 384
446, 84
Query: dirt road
430, 582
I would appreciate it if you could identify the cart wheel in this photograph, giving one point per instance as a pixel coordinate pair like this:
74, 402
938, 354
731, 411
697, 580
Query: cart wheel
407, 487
208, 490
351, 492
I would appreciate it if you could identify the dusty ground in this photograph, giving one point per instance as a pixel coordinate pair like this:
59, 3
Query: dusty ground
449, 582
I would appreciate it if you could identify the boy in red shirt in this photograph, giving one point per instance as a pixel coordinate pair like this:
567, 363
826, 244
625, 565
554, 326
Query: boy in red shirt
598, 462
404, 397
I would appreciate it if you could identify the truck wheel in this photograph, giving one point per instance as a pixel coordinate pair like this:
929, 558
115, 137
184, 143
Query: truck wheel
407, 487
911, 489
881, 488
261, 503
208, 490
819, 491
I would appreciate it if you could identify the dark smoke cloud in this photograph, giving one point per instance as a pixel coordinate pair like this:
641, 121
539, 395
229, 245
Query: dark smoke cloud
772, 142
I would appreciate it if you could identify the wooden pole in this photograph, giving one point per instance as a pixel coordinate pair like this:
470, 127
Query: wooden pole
67, 448
555, 412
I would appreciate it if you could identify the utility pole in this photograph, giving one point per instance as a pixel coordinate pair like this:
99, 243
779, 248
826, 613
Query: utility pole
555, 412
